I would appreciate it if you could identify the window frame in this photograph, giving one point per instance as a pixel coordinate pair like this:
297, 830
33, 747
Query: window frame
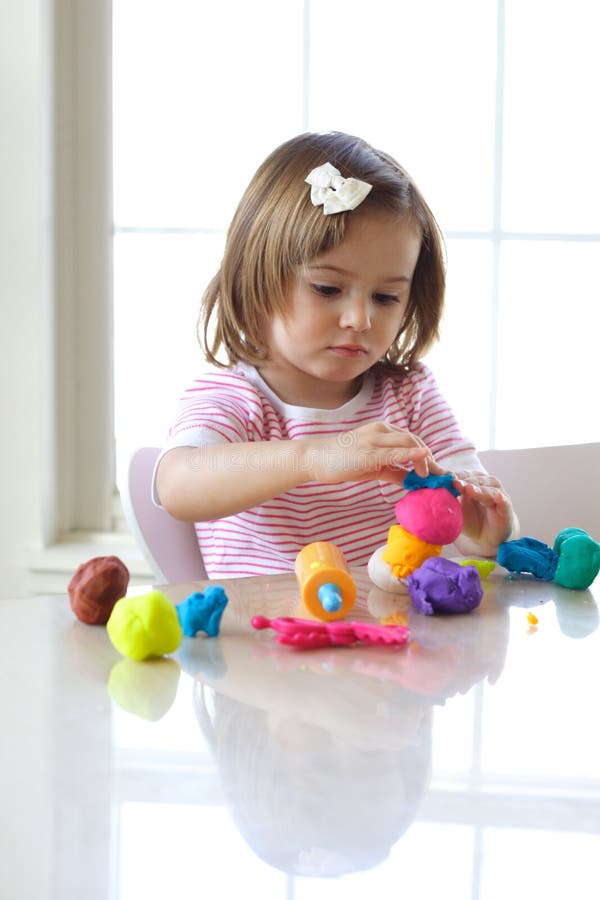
79, 476
79, 498
80, 512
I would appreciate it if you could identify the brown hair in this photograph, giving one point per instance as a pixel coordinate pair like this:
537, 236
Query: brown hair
276, 228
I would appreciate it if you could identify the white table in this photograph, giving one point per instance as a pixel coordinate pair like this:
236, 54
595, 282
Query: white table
464, 766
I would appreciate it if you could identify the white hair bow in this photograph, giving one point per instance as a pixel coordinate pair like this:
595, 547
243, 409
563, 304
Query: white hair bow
335, 193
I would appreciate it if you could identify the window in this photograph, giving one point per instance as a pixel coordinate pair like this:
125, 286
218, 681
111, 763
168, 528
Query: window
489, 106
489, 103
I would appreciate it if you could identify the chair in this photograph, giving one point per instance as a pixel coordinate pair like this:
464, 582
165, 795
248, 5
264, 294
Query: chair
551, 487
170, 547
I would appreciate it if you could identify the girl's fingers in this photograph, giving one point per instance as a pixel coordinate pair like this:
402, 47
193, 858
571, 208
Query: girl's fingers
436, 469
399, 439
395, 465
483, 494
476, 478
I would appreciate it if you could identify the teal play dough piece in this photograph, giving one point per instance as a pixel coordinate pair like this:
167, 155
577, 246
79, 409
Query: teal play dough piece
565, 534
144, 626
578, 559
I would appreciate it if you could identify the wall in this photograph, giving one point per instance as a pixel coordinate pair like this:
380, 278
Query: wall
21, 282
21, 286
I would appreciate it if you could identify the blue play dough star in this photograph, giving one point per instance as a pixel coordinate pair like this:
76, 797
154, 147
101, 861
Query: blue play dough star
202, 611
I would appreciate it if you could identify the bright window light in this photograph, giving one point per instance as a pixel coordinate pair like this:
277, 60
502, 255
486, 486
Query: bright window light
491, 107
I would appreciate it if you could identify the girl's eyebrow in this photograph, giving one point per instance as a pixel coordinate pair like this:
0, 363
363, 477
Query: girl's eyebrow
393, 279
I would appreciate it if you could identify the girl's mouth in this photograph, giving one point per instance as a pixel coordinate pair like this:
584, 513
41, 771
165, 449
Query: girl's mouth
351, 351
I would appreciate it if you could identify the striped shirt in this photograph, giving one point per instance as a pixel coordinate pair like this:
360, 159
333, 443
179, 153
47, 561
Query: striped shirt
236, 405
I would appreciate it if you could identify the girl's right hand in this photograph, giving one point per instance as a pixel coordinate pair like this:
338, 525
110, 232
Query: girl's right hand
374, 451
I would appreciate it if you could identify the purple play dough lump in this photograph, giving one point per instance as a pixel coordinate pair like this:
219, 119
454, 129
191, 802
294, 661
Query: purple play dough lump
441, 585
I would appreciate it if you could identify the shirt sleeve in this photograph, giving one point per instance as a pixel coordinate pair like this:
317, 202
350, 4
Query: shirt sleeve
214, 410
217, 408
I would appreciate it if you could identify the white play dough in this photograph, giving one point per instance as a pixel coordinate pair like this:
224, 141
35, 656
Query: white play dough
381, 574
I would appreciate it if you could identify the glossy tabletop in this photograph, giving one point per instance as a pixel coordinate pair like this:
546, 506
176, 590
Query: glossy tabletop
464, 765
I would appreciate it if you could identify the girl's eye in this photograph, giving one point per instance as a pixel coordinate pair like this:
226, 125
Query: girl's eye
385, 298
325, 290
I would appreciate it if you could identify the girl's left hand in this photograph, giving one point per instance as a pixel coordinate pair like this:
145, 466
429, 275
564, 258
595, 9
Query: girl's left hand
488, 515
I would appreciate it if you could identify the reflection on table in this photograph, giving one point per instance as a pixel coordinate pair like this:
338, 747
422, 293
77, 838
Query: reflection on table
467, 763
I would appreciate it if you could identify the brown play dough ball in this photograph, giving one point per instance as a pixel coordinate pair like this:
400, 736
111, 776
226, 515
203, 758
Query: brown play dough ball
95, 588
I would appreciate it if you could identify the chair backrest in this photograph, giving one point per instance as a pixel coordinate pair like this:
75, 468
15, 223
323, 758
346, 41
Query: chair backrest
170, 547
551, 487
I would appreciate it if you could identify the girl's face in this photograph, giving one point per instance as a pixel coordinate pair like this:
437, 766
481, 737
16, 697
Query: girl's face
345, 309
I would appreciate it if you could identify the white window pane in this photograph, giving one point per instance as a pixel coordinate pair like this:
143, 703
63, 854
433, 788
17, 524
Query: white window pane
207, 846
538, 753
408, 871
450, 875
452, 740
202, 92
548, 372
463, 360
159, 281
418, 81
521, 863
551, 121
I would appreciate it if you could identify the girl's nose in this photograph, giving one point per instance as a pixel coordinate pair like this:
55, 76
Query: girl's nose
356, 315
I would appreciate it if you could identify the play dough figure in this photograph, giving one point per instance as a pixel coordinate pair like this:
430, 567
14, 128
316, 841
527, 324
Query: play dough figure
429, 517
202, 611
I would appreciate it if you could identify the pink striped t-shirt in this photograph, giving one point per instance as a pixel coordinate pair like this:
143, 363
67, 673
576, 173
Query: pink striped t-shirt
233, 405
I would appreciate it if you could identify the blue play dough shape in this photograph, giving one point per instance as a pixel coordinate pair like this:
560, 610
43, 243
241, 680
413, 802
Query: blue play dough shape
202, 611
414, 482
442, 585
529, 556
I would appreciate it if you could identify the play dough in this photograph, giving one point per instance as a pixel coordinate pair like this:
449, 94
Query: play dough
527, 555
573, 562
95, 588
405, 552
202, 611
144, 626
429, 516
578, 559
430, 509
441, 585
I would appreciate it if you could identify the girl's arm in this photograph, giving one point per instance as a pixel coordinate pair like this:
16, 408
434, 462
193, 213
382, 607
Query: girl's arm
217, 480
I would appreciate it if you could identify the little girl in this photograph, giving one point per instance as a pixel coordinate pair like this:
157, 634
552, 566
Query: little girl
330, 291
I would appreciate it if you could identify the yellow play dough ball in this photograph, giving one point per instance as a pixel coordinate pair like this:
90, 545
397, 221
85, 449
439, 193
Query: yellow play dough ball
144, 626
404, 552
